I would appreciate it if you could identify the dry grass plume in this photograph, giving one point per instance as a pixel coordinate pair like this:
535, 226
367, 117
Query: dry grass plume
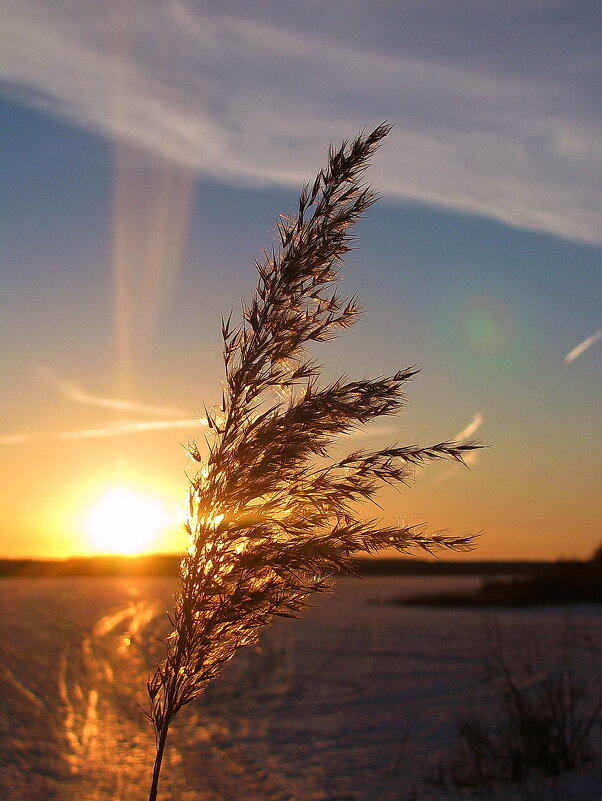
269, 523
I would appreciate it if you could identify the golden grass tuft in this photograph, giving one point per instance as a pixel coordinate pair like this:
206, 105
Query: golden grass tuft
268, 524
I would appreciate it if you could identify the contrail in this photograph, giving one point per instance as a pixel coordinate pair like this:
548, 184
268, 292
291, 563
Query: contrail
76, 393
462, 436
583, 346
476, 422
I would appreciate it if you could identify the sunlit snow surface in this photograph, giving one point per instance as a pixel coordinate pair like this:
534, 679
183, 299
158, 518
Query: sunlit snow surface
358, 702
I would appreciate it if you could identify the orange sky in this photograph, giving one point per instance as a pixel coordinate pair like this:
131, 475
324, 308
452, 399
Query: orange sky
144, 167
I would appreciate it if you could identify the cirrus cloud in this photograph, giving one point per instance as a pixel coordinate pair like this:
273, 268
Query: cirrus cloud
497, 125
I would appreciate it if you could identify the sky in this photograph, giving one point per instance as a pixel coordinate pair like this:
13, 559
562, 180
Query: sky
147, 149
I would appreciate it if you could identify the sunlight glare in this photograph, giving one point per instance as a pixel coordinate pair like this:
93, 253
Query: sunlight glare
125, 522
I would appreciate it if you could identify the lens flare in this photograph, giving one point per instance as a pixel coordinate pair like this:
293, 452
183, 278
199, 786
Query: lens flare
151, 210
487, 325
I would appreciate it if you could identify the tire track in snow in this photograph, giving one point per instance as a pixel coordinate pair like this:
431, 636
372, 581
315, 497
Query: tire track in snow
93, 676
10, 678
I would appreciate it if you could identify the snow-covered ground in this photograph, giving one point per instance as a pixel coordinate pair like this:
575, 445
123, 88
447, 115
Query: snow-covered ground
357, 702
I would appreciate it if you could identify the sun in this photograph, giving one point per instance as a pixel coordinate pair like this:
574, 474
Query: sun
123, 521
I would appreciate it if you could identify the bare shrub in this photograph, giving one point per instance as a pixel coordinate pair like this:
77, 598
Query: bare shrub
542, 702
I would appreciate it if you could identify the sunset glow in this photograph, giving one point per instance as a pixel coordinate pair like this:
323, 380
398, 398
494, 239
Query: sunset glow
125, 522
147, 150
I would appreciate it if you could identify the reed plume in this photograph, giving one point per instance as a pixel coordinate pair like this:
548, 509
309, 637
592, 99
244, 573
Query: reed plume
270, 520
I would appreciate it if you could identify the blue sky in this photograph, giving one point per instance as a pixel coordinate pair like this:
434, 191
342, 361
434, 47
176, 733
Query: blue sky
147, 149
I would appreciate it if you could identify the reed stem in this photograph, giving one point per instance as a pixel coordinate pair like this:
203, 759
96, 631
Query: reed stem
158, 760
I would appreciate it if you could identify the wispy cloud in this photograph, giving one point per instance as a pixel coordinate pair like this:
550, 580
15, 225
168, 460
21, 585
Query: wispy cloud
583, 346
116, 428
477, 421
73, 391
371, 431
472, 427
16, 439
250, 94
470, 458
122, 427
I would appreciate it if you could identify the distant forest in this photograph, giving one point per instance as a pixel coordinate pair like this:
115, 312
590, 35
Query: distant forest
505, 583
168, 564
551, 584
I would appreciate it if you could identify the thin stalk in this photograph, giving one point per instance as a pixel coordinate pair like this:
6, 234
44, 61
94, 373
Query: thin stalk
158, 760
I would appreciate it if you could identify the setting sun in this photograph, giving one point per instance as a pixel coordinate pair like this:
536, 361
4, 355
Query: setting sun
126, 522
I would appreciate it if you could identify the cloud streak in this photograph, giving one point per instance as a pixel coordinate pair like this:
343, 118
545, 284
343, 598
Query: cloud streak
583, 346
471, 458
117, 428
123, 427
470, 429
120, 428
249, 95
72, 391
16, 439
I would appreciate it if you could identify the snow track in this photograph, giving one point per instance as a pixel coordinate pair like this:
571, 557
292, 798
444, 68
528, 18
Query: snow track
356, 703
